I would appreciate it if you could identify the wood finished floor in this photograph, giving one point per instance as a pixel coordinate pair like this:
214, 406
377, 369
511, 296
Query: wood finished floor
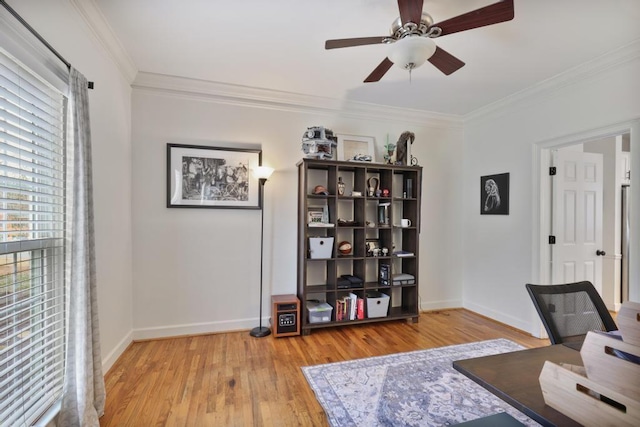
233, 379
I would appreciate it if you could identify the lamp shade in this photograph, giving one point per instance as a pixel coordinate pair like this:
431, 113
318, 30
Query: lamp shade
263, 172
412, 51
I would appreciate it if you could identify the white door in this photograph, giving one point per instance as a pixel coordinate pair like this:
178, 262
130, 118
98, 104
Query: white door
577, 218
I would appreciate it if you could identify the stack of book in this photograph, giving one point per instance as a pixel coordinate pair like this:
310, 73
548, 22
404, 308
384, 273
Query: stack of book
403, 253
350, 307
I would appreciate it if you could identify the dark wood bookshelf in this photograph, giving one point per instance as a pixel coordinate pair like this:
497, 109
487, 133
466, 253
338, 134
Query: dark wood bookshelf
318, 277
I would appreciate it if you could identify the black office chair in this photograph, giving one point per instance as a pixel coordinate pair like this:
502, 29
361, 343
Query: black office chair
570, 310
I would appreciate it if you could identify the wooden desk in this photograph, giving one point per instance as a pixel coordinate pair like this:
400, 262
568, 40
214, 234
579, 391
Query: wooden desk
513, 377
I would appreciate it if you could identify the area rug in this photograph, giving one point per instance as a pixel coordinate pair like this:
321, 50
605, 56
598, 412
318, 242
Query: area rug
418, 388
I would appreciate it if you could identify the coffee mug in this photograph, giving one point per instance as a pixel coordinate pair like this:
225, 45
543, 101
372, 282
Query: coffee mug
405, 222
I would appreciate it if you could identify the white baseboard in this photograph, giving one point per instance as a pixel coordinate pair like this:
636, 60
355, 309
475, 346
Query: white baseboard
166, 331
113, 355
439, 305
500, 317
196, 328
175, 331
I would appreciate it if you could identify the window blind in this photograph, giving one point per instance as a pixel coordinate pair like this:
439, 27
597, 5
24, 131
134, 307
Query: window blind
32, 293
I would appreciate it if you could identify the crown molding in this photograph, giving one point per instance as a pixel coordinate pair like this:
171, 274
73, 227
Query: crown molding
102, 31
540, 91
286, 101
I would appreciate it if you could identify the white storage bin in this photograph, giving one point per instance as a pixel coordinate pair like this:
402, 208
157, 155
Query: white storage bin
377, 304
320, 247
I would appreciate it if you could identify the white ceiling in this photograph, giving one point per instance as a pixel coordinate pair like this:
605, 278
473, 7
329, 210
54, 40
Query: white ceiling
279, 45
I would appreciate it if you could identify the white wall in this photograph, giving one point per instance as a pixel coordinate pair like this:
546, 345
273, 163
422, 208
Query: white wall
197, 270
500, 251
110, 102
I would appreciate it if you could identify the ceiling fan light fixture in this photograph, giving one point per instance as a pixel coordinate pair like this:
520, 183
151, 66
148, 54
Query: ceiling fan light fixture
411, 52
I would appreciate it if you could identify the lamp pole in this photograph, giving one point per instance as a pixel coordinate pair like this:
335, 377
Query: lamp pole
263, 173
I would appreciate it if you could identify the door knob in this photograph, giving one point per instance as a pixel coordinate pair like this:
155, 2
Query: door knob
600, 253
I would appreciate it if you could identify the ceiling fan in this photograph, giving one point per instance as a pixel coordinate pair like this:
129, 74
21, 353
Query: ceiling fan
413, 32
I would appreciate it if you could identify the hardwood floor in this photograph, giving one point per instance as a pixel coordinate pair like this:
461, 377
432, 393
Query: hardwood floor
233, 379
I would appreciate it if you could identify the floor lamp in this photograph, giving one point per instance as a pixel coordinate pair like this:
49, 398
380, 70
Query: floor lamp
262, 173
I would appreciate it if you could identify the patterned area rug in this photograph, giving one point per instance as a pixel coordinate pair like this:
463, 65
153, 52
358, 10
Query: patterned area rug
418, 388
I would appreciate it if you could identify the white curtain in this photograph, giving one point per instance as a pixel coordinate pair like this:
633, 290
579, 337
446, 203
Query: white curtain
84, 392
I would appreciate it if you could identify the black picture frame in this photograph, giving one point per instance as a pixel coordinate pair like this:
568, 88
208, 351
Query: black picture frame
212, 177
494, 194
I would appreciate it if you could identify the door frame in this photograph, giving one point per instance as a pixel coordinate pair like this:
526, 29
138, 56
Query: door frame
541, 268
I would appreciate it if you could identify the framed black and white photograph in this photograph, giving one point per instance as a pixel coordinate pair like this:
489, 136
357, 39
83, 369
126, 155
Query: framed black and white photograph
212, 177
494, 194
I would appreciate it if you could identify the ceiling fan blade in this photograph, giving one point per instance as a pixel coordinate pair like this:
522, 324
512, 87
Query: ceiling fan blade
380, 71
445, 62
360, 41
410, 11
488, 15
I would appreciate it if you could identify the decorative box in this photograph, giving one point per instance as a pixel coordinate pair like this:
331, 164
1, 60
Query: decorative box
320, 247
607, 390
403, 279
377, 304
383, 276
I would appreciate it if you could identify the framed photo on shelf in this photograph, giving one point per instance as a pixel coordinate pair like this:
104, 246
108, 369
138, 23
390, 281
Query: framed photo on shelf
315, 215
212, 177
358, 148
372, 246
494, 194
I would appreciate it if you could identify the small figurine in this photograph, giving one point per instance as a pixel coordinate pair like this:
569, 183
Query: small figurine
389, 156
374, 185
340, 186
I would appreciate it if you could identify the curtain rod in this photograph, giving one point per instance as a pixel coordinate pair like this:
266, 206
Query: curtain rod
39, 37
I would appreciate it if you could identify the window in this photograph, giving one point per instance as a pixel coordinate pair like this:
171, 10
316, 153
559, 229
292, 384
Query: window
32, 218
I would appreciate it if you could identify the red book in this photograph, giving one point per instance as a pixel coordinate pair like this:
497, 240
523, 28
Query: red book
360, 308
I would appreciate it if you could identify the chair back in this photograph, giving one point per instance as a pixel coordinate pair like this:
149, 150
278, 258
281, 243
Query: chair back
569, 311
